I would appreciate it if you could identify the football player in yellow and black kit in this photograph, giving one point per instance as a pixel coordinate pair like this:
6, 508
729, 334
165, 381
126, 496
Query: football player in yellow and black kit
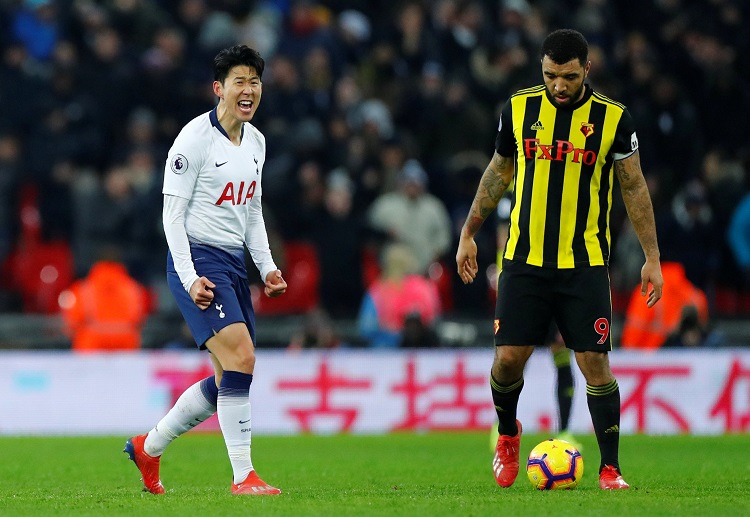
565, 387
561, 144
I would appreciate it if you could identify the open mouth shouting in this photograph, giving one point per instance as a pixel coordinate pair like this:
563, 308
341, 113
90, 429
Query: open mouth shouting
246, 106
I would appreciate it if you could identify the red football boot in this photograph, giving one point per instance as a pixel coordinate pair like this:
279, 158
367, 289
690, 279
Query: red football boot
611, 479
253, 485
148, 465
505, 462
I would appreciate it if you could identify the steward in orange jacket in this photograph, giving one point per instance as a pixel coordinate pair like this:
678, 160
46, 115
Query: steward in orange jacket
106, 310
649, 328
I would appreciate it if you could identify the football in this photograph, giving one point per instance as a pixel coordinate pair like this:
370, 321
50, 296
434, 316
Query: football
554, 465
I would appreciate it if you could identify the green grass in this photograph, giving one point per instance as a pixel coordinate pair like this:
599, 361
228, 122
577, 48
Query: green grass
408, 475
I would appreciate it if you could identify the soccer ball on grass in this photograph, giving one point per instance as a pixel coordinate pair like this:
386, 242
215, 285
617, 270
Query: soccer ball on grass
554, 465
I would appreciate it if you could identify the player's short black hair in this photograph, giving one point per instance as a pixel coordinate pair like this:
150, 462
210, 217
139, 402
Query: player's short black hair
238, 55
563, 45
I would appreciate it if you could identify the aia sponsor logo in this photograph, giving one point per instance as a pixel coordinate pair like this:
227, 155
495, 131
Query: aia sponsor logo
237, 195
557, 151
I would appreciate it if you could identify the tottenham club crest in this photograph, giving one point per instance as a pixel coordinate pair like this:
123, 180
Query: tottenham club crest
178, 163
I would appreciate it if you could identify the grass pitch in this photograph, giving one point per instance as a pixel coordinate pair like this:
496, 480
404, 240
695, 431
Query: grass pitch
395, 475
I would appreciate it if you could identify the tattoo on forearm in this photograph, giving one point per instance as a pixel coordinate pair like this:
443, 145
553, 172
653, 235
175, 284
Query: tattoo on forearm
638, 204
622, 173
492, 186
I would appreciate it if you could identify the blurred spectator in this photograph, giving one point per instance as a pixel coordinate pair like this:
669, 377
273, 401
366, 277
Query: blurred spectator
66, 137
338, 241
286, 102
141, 131
687, 235
648, 328
692, 332
414, 217
460, 124
137, 20
397, 295
146, 250
351, 39
465, 31
104, 217
308, 23
106, 310
317, 332
417, 334
724, 178
109, 62
677, 140
739, 237
16, 79
412, 39
36, 25
301, 210
318, 80
10, 182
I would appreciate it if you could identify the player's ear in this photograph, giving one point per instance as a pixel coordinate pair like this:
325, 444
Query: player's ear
218, 89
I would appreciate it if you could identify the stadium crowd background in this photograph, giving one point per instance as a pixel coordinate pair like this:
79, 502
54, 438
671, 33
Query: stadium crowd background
93, 94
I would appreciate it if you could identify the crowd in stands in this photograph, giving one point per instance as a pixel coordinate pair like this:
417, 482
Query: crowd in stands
365, 104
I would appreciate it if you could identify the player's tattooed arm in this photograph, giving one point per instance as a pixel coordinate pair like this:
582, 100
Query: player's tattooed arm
638, 202
495, 181
641, 214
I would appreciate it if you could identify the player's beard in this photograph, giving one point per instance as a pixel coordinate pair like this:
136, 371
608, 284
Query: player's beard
570, 99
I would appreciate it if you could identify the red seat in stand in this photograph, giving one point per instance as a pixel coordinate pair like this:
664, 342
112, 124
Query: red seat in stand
302, 274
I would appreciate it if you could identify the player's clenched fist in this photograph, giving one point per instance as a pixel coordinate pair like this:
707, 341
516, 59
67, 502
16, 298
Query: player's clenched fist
201, 292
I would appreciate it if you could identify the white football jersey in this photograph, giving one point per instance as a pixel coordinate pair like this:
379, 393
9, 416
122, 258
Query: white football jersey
221, 181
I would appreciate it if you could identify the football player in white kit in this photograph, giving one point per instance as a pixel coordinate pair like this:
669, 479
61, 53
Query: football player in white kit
212, 208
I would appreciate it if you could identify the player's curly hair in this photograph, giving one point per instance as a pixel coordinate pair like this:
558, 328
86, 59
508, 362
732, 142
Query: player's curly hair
563, 45
238, 55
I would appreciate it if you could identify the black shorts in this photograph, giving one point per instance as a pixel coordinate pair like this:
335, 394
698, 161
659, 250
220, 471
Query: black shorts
529, 298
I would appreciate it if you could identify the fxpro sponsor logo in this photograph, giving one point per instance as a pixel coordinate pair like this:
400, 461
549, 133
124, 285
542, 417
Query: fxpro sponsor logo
557, 151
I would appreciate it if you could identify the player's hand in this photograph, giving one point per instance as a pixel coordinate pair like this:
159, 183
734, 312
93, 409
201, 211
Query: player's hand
466, 259
651, 274
275, 284
201, 292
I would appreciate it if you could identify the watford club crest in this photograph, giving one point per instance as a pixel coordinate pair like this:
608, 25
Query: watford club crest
587, 129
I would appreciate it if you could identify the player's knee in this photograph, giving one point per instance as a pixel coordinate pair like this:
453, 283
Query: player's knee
245, 359
595, 367
509, 364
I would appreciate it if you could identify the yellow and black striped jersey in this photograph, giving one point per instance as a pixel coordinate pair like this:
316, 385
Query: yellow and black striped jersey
563, 180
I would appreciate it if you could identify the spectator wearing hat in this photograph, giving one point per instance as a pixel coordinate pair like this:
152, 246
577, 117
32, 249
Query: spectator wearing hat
414, 217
